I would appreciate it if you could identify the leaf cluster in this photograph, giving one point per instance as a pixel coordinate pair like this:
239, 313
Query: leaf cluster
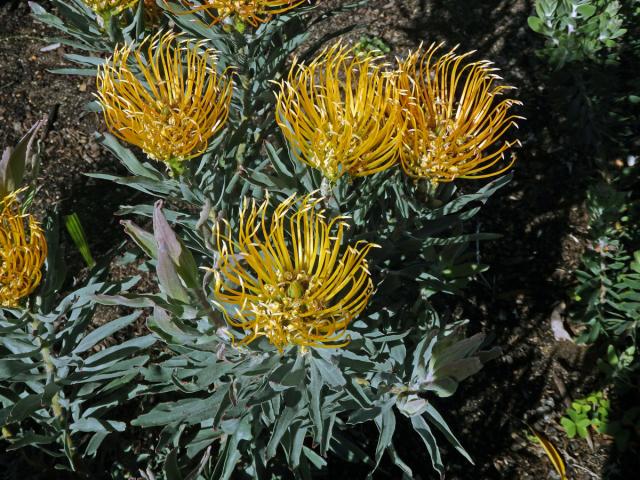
608, 292
590, 45
577, 30
61, 386
589, 412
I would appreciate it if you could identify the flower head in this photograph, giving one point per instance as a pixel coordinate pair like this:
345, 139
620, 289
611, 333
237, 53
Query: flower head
176, 103
288, 278
456, 117
253, 12
341, 113
22, 254
109, 7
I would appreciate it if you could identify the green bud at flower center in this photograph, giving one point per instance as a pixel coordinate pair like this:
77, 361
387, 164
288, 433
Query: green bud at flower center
295, 290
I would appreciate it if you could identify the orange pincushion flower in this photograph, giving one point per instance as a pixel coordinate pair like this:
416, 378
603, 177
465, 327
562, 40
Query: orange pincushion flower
456, 117
174, 105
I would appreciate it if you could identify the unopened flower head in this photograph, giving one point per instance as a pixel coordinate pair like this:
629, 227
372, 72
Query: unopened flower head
165, 96
252, 12
341, 113
22, 252
287, 276
456, 116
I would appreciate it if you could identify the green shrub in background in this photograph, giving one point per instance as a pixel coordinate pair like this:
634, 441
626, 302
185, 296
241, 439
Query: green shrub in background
590, 46
577, 30
607, 303
607, 296
302, 283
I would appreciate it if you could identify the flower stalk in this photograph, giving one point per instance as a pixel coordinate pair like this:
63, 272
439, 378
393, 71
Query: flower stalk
57, 409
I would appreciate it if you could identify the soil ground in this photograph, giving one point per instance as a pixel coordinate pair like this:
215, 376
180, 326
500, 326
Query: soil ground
539, 214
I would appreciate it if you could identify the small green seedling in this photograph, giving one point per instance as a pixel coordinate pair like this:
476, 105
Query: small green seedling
592, 411
367, 45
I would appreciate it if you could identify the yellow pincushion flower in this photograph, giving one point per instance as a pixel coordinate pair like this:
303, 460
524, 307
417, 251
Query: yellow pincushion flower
456, 117
22, 254
288, 278
341, 113
109, 7
170, 101
253, 12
